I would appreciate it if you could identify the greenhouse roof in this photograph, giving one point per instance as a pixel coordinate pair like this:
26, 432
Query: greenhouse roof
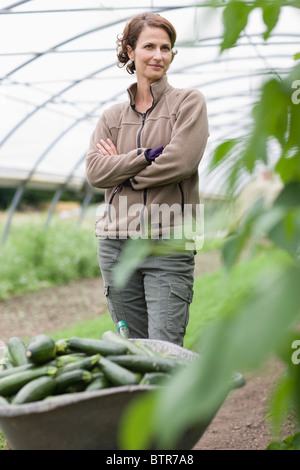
58, 72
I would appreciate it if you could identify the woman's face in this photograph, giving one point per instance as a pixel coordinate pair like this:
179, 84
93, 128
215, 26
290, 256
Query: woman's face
152, 54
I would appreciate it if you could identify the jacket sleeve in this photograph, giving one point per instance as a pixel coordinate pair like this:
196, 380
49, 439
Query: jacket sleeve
181, 157
105, 171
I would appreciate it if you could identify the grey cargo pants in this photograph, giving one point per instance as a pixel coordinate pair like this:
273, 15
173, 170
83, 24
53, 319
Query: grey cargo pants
155, 302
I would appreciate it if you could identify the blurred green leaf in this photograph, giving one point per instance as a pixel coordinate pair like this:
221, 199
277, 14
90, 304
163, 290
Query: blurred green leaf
289, 196
271, 113
233, 247
134, 252
296, 441
280, 445
285, 233
235, 243
294, 134
137, 249
271, 12
235, 17
261, 325
274, 119
281, 402
240, 341
133, 436
222, 151
288, 167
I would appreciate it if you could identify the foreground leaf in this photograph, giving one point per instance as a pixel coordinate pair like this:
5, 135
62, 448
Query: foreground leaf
235, 18
240, 341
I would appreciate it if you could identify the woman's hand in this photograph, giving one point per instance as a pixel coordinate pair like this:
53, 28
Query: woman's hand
107, 147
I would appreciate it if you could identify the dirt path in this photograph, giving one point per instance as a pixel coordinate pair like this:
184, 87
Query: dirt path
240, 423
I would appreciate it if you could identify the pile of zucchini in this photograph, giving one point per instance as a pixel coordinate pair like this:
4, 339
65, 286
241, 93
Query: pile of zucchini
44, 368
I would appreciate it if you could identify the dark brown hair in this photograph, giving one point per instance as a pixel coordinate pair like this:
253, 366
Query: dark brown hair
132, 32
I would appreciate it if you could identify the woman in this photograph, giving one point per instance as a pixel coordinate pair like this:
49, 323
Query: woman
145, 153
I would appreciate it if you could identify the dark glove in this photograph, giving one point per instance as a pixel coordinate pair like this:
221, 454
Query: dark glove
152, 154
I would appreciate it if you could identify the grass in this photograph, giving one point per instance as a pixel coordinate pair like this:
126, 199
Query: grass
35, 257
87, 328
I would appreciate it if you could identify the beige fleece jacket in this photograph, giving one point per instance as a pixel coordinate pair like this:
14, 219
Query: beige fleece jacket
161, 192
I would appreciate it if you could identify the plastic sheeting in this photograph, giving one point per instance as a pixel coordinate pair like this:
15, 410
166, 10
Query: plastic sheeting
58, 71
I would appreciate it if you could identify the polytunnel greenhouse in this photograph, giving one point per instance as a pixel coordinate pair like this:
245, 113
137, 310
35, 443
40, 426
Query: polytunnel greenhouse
59, 71
120, 329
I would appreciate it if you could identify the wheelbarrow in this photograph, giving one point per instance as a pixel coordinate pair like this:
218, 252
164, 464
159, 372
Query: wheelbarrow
86, 420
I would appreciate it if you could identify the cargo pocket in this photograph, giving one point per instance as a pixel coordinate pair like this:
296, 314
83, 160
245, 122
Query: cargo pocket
110, 304
180, 298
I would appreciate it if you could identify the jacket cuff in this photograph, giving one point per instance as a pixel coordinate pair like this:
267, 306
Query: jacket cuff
152, 154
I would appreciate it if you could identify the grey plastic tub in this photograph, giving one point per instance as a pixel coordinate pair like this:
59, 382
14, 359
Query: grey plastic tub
85, 420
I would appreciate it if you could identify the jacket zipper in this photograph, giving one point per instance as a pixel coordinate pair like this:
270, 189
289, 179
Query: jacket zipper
111, 200
118, 187
145, 190
182, 197
140, 132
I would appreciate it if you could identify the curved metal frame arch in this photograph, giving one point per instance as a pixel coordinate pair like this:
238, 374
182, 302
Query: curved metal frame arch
56, 47
16, 4
58, 193
69, 176
91, 31
74, 84
18, 194
37, 56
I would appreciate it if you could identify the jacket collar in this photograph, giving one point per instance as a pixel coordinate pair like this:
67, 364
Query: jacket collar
158, 89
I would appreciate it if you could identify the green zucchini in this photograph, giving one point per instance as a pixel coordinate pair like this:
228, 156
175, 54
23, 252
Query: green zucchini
36, 389
14, 370
65, 359
98, 384
17, 351
71, 377
97, 374
12, 383
6, 360
95, 346
117, 374
58, 397
86, 363
61, 346
3, 401
8, 364
145, 363
155, 378
131, 346
40, 349
148, 351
